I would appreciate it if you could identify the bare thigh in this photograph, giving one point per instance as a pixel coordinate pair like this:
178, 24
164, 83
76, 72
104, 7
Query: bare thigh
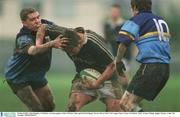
29, 98
45, 96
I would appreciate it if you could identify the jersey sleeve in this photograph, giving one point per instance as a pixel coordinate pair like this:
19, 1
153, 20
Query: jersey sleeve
23, 43
128, 32
53, 30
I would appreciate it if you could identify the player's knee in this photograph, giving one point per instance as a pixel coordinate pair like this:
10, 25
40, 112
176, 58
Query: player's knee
49, 107
113, 107
71, 108
74, 107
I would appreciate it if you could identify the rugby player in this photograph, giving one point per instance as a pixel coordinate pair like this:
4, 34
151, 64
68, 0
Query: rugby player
151, 35
26, 69
89, 51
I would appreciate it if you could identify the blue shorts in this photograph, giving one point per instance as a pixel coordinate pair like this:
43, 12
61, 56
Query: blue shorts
34, 84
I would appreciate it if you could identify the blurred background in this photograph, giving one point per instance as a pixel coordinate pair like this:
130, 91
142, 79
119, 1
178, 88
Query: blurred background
90, 14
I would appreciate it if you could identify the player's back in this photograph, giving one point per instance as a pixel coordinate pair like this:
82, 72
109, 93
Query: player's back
151, 35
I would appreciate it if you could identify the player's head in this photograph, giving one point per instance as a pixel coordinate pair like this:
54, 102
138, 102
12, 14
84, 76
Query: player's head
140, 5
115, 11
30, 18
73, 42
80, 32
76, 37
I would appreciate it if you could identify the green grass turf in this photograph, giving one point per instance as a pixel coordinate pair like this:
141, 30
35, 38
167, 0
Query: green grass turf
168, 100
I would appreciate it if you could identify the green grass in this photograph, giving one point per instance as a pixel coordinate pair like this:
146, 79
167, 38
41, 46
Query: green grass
168, 100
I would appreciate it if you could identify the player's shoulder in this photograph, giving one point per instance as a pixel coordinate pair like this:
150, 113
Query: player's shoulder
24, 39
94, 36
97, 45
142, 17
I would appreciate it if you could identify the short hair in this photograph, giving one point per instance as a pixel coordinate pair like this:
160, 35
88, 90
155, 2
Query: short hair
116, 6
79, 30
141, 4
25, 12
73, 38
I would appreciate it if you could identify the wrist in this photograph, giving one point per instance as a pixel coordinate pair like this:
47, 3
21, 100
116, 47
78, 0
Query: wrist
99, 81
51, 43
117, 60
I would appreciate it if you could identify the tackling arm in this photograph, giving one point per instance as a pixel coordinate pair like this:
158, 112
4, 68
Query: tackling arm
33, 50
120, 54
40, 34
40, 47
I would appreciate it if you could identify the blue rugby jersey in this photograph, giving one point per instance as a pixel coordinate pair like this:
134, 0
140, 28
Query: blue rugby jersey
23, 67
151, 35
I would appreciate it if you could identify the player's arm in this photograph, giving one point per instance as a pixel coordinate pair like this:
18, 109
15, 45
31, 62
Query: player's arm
49, 30
40, 47
102, 78
118, 60
106, 74
104, 58
33, 50
127, 34
40, 34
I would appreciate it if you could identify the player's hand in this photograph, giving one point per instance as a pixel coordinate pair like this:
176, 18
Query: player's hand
90, 84
120, 67
60, 42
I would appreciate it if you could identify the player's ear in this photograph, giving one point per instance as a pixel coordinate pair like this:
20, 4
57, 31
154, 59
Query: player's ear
24, 23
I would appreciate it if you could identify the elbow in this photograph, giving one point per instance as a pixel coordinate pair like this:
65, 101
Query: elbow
32, 50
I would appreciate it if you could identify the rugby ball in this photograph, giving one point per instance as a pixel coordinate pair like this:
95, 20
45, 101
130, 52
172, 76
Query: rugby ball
90, 74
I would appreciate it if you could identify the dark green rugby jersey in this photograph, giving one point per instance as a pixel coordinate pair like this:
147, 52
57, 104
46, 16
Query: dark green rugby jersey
53, 30
94, 54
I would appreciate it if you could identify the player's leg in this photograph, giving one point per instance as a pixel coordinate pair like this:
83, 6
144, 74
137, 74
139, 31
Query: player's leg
79, 96
146, 84
110, 94
43, 92
112, 105
123, 80
25, 93
77, 101
129, 102
119, 91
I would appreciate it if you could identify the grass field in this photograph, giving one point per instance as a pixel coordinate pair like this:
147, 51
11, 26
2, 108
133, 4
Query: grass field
167, 101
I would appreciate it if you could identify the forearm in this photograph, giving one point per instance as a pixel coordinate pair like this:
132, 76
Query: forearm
33, 50
40, 34
107, 73
120, 52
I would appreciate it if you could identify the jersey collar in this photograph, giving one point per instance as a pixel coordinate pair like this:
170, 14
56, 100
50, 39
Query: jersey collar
145, 11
